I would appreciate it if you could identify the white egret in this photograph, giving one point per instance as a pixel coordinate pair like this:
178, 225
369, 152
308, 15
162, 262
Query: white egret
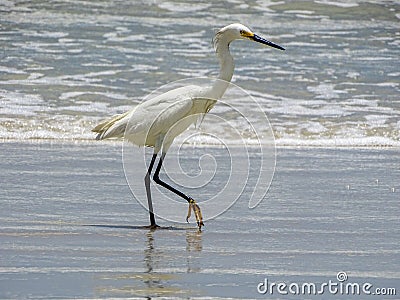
156, 122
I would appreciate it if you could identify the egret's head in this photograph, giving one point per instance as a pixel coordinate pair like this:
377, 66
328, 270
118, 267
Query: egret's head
238, 31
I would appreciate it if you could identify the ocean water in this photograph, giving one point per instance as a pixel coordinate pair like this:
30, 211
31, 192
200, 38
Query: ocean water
64, 66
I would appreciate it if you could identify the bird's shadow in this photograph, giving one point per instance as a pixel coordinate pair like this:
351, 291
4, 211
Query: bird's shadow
133, 227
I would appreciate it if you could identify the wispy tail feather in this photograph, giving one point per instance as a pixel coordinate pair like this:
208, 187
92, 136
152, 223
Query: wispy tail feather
107, 129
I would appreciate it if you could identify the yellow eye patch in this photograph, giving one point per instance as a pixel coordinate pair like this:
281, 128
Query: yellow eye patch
245, 33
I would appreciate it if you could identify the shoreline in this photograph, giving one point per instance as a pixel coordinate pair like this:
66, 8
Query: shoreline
115, 142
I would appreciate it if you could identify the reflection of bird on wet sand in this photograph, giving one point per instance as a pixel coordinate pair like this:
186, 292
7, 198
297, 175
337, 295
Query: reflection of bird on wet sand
193, 245
153, 281
158, 282
149, 252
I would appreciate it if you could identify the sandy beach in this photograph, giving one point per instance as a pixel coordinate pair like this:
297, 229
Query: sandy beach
70, 228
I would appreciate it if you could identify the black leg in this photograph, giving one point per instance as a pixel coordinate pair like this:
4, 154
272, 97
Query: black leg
148, 192
192, 204
157, 179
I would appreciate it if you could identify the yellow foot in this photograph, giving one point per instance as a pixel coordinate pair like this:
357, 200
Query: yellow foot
197, 213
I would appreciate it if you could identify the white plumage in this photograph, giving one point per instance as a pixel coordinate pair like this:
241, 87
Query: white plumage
148, 123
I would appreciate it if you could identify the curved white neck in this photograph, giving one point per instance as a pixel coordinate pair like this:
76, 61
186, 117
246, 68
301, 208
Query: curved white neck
227, 66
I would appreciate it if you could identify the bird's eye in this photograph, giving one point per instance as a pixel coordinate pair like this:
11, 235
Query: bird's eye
242, 32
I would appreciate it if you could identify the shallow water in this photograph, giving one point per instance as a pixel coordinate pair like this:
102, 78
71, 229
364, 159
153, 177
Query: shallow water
70, 228
66, 65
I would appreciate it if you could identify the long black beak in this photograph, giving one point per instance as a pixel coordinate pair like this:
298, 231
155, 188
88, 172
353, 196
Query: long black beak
261, 40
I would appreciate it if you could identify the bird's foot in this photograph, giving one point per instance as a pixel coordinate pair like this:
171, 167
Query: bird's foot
197, 213
152, 226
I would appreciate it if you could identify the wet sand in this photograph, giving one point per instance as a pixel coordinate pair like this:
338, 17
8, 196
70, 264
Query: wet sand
70, 228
